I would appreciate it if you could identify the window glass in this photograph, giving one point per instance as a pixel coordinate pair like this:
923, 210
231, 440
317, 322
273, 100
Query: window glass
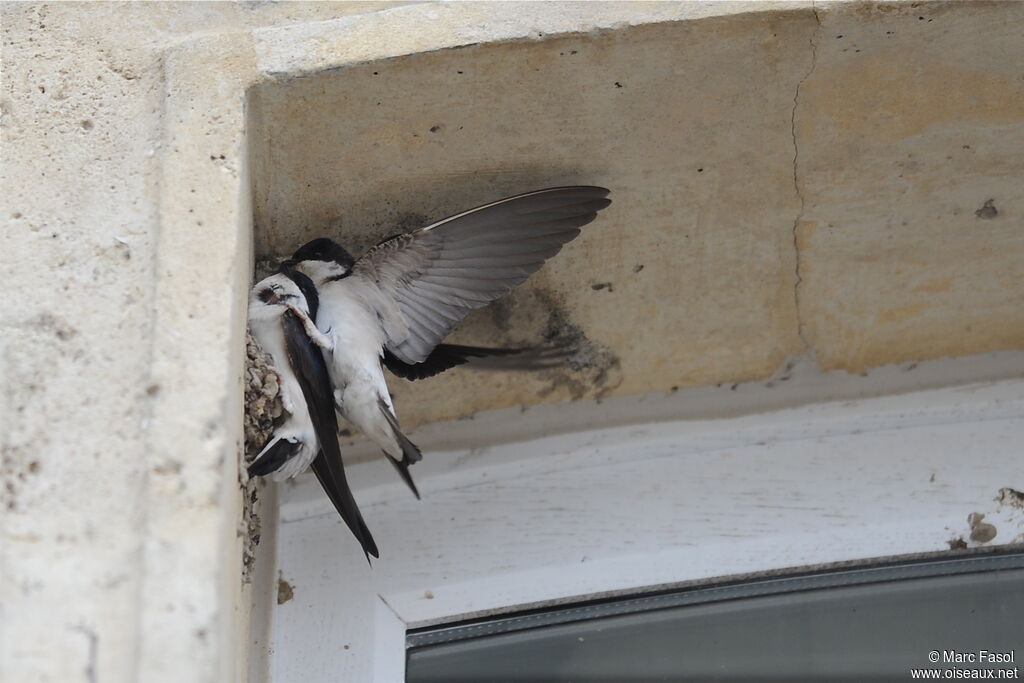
859, 624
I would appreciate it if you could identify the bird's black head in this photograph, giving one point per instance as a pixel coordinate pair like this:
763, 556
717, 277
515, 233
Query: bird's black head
324, 249
305, 285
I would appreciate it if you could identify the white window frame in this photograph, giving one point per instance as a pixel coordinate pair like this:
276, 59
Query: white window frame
839, 481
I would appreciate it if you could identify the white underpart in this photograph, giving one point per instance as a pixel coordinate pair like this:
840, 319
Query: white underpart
265, 324
350, 320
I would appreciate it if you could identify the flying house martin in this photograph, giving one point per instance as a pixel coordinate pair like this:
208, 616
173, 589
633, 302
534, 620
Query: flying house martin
394, 306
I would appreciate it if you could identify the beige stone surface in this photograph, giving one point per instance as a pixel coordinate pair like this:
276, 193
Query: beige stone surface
686, 279
827, 197
911, 121
119, 558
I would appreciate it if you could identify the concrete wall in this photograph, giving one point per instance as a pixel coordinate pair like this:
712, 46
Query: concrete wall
843, 209
784, 183
119, 555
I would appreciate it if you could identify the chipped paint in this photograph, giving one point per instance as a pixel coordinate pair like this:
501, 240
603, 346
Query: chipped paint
285, 591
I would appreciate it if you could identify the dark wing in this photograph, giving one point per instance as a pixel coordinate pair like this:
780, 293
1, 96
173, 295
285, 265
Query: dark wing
447, 356
428, 280
271, 459
410, 452
311, 372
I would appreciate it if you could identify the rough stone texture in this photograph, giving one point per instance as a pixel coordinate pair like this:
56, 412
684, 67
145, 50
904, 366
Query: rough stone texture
910, 130
119, 558
686, 279
851, 192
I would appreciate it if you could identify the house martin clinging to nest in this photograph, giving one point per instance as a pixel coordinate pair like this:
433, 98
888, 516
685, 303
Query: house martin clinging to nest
280, 311
392, 308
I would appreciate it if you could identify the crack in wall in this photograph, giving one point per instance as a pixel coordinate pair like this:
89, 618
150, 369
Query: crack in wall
796, 179
94, 645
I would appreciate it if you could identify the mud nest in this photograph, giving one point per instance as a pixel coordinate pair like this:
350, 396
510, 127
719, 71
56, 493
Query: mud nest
262, 398
263, 409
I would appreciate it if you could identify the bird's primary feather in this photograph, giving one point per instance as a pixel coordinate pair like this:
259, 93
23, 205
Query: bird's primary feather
273, 456
433, 277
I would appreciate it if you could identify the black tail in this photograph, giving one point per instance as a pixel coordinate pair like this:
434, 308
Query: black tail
447, 356
332, 478
273, 457
524, 359
410, 452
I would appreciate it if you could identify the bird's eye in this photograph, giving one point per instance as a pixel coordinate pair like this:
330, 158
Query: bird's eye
267, 295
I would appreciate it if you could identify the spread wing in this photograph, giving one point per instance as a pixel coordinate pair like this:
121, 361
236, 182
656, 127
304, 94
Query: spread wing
311, 372
430, 279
